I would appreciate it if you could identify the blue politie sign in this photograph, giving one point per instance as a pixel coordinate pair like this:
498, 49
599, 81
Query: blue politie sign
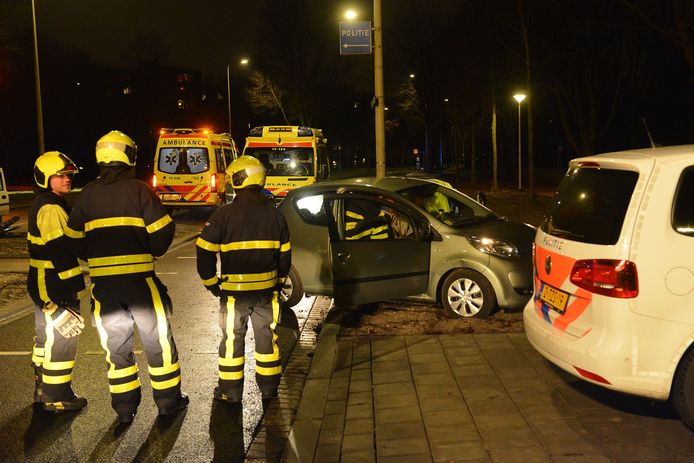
355, 37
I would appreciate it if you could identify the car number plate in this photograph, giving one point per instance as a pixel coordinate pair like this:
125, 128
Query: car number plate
170, 197
555, 298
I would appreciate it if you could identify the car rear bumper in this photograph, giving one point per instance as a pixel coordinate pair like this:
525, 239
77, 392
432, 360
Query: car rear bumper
607, 354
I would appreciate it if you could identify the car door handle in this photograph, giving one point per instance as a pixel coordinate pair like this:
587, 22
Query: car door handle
343, 255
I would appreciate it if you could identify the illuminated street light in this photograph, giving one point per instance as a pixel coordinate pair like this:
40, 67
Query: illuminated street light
411, 76
242, 62
350, 14
519, 97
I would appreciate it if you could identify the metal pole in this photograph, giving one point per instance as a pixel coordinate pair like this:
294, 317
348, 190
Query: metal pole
378, 91
519, 146
229, 98
37, 80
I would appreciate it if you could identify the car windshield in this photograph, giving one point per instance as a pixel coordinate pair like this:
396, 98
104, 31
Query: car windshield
281, 161
449, 206
183, 160
590, 205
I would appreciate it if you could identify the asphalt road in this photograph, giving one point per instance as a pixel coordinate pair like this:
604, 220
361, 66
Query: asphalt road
200, 433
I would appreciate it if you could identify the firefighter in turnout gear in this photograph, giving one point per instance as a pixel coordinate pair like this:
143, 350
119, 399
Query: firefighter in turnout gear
54, 280
365, 221
119, 226
252, 239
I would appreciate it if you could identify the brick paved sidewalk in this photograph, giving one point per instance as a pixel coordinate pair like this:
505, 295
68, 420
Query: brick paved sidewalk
467, 398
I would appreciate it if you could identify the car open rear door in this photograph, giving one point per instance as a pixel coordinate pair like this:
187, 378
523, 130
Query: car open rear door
377, 265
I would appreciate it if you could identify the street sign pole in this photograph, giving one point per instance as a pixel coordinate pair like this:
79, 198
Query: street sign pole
355, 38
378, 90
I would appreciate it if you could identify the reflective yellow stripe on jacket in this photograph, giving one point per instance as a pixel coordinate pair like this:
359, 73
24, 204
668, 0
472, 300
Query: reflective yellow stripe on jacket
120, 265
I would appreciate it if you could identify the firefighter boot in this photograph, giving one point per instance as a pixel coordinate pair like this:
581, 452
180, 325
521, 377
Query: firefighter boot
181, 403
231, 397
74, 404
38, 384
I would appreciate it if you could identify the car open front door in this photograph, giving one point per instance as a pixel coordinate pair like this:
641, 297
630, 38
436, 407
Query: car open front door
380, 247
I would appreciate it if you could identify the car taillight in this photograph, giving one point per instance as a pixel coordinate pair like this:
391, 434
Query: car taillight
154, 181
609, 277
213, 182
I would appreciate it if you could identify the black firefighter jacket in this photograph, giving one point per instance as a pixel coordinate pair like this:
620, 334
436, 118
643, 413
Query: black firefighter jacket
119, 225
54, 273
252, 238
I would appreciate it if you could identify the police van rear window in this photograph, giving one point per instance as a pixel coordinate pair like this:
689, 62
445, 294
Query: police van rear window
183, 160
590, 205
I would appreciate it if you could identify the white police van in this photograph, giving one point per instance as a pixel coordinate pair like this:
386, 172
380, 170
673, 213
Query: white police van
613, 266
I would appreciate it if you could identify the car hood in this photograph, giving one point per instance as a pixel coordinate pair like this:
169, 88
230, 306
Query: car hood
520, 234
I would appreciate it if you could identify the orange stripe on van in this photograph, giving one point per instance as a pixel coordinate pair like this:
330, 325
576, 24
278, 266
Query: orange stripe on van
558, 277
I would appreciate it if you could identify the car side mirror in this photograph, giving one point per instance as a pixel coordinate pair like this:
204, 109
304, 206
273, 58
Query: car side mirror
481, 198
432, 234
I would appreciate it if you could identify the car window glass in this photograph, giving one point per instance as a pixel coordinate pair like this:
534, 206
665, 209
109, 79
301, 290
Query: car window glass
683, 214
590, 205
228, 156
197, 160
282, 161
311, 209
449, 206
220, 160
169, 159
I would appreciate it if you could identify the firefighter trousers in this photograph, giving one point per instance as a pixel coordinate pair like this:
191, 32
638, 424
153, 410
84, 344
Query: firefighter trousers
119, 303
53, 355
263, 311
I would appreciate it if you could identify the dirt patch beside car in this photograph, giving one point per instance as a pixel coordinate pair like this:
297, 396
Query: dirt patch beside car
407, 319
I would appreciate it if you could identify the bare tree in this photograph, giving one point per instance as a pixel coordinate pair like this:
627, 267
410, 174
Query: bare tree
673, 19
598, 57
264, 96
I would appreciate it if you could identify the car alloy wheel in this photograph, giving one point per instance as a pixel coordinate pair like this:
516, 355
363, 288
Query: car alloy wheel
467, 293
293, 290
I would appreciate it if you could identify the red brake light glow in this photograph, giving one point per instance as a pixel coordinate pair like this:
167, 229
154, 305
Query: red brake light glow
609, 277
154, 181
213, 182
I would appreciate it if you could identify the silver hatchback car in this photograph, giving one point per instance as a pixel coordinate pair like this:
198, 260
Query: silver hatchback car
365, 240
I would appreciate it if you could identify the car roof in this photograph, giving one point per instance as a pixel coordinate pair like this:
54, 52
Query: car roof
659, 155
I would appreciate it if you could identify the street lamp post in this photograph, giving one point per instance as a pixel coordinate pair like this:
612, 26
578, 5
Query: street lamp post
242, 62
378, 90
37, 84
519, 97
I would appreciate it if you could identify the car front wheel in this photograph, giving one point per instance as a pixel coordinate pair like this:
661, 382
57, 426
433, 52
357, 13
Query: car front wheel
467, 293
682, 396
293, 290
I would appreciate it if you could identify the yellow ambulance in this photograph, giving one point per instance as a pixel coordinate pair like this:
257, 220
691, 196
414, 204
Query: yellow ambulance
190, 167
294, 156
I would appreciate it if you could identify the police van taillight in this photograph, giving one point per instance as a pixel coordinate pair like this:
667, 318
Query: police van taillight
213, 183
154, 181
608, 277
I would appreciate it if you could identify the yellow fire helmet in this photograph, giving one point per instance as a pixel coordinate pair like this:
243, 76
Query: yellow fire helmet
116, 146
246, 171
52, 163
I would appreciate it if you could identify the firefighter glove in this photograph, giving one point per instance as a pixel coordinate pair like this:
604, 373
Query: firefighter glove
216, 289
66, 321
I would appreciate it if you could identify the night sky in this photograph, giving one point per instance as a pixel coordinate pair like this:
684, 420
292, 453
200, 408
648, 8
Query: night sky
203, 35
598, 69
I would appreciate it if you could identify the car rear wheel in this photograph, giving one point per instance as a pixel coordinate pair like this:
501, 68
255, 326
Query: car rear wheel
683, 390
293, 290
467, 293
